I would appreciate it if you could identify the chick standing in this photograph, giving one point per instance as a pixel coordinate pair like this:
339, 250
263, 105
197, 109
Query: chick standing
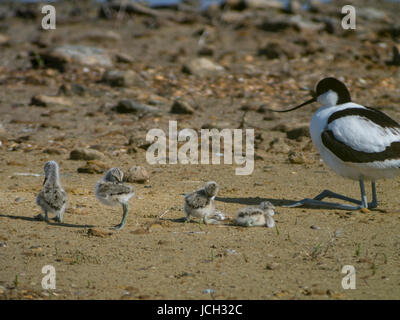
111, 191
200, 204
52, 198
257, 216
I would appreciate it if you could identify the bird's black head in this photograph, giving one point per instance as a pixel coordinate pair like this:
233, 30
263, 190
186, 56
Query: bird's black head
338, 95
335, 85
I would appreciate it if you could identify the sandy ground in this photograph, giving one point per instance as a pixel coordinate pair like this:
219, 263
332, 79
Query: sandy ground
153, 258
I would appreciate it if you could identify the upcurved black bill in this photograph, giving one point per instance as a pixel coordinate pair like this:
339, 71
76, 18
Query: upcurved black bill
302, 105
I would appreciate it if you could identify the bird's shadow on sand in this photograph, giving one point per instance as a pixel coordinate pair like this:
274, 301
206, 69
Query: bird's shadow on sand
33, 219
255, 201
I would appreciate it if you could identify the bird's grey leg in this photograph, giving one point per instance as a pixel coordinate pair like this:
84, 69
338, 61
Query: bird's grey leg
125, 208
374, 203
364, 203
46, 218
316, 202
59, 216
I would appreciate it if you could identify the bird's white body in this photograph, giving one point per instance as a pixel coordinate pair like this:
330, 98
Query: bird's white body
360, 134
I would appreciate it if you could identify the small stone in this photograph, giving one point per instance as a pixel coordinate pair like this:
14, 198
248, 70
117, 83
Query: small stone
275, 50
101, 35
181, 107
205, 51
119, 78
297, 133
46, 101
3, 39
124, 58
202, 67
132, 106
365, 210
53, 151
72, 89
85, 154
296, 157
137, 174
315, 227
272, 266
98, 233
59, 57
94, 166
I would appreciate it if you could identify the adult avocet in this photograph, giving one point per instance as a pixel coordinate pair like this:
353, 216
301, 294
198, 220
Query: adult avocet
357, 142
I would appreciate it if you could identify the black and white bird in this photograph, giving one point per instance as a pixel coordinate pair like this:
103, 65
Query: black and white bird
52, 198
357, 142
257, 216
111, 191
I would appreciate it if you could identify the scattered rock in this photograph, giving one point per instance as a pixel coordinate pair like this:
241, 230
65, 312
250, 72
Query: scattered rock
54, 151
3, 39
85, 154
205, 51
272, 266
98, 233
72, 89
275, 50
101, 36
59, 57
46, 101
297, 133
395, 57
181, 107
296, 158
124, 58
202, 67
118, 78
138, 142
132, 106
94, 166
275, 25
137, 174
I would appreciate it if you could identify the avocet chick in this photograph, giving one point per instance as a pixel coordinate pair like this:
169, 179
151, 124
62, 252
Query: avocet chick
200, 204
257, 216
52, 198
111, 191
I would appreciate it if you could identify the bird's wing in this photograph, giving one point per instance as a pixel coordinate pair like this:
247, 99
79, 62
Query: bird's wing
197, 199
362, 135
55, 198
113, 189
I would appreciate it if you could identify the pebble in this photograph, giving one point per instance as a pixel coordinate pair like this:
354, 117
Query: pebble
72, 89
296, 157
132, 106
120, 78
181, 107
60, 56
85, 154
137, 174
124, 58
94, 166
299, 132
98, 233
3, 39
202, 67
46, 101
